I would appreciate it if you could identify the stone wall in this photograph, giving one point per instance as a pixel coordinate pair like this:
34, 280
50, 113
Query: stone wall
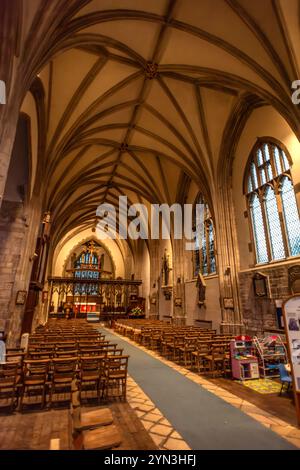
260, 313
12, 230
211, 308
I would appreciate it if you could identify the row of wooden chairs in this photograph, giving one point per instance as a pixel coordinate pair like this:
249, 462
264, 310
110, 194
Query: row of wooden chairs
200, 349
52, 361
105, 375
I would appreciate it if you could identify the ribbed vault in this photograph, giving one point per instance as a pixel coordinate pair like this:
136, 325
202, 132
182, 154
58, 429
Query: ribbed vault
141, 97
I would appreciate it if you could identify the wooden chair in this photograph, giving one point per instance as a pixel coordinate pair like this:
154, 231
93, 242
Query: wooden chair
109, 347
178, 343
114, 352
68, 346
91, 352
198, 357
40, 355
185, 351
115, 377
64, 372
72, 354
8, 383
91, 371
167, 344
155, 338
35, 380
216, 359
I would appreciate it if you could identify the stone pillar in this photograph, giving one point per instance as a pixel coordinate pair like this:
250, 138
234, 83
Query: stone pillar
12, 232
178, 282
18, 235
228, 263
8, 120
154, 276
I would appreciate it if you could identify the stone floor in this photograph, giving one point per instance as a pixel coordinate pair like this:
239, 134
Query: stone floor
284, 428
158, 427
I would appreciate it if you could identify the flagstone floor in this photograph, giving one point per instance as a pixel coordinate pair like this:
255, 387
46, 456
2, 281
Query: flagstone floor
155, 426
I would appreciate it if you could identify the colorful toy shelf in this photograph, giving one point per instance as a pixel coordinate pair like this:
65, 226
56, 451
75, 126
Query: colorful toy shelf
244, 362
271, 352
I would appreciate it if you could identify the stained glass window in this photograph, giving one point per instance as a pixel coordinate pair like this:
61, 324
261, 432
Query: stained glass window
276, 240
291, 216
86, 267
258, 230
269, 189
277, 160
204, 254
212, 259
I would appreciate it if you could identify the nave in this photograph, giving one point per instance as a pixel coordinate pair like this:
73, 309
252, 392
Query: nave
40, 400
149, 224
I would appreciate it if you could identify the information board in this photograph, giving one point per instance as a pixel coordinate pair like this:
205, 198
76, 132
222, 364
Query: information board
291, 315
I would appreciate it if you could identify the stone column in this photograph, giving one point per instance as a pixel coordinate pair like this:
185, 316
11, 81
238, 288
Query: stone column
23, 238
154, 275
178, 282
227, 262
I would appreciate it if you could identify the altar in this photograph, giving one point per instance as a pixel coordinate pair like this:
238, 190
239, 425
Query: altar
93, 299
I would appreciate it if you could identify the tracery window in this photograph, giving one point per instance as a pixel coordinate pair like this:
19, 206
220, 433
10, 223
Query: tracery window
204, 254
87, 267
86, 263
272, 203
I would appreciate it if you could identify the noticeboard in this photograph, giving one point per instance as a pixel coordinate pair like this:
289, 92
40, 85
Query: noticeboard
291, 315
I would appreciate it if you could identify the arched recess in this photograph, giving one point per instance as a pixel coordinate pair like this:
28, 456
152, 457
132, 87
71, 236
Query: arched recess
28, 109
109, 264
64, 250
18, 182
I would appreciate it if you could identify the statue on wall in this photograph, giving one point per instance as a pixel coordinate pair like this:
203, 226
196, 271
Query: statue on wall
165, 269
201, 285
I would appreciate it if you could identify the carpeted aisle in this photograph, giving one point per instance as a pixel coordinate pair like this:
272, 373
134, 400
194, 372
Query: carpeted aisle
204, 420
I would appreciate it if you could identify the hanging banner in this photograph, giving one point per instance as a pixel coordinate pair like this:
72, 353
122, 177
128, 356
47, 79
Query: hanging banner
291, 316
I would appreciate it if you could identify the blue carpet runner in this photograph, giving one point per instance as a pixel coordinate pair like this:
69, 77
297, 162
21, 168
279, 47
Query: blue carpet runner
204, 420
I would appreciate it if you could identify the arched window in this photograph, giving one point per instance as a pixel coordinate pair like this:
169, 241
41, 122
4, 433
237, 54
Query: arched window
204, 254
87, 266
272, 203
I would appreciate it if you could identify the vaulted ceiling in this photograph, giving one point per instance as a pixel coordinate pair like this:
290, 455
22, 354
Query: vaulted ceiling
141, 96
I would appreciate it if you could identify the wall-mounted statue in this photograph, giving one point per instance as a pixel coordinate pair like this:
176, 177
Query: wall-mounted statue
201, 285
166, 269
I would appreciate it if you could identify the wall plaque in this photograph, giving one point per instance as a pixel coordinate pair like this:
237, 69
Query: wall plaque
21, 297
261, 285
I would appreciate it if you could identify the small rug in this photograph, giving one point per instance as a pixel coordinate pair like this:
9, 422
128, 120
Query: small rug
264, 386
